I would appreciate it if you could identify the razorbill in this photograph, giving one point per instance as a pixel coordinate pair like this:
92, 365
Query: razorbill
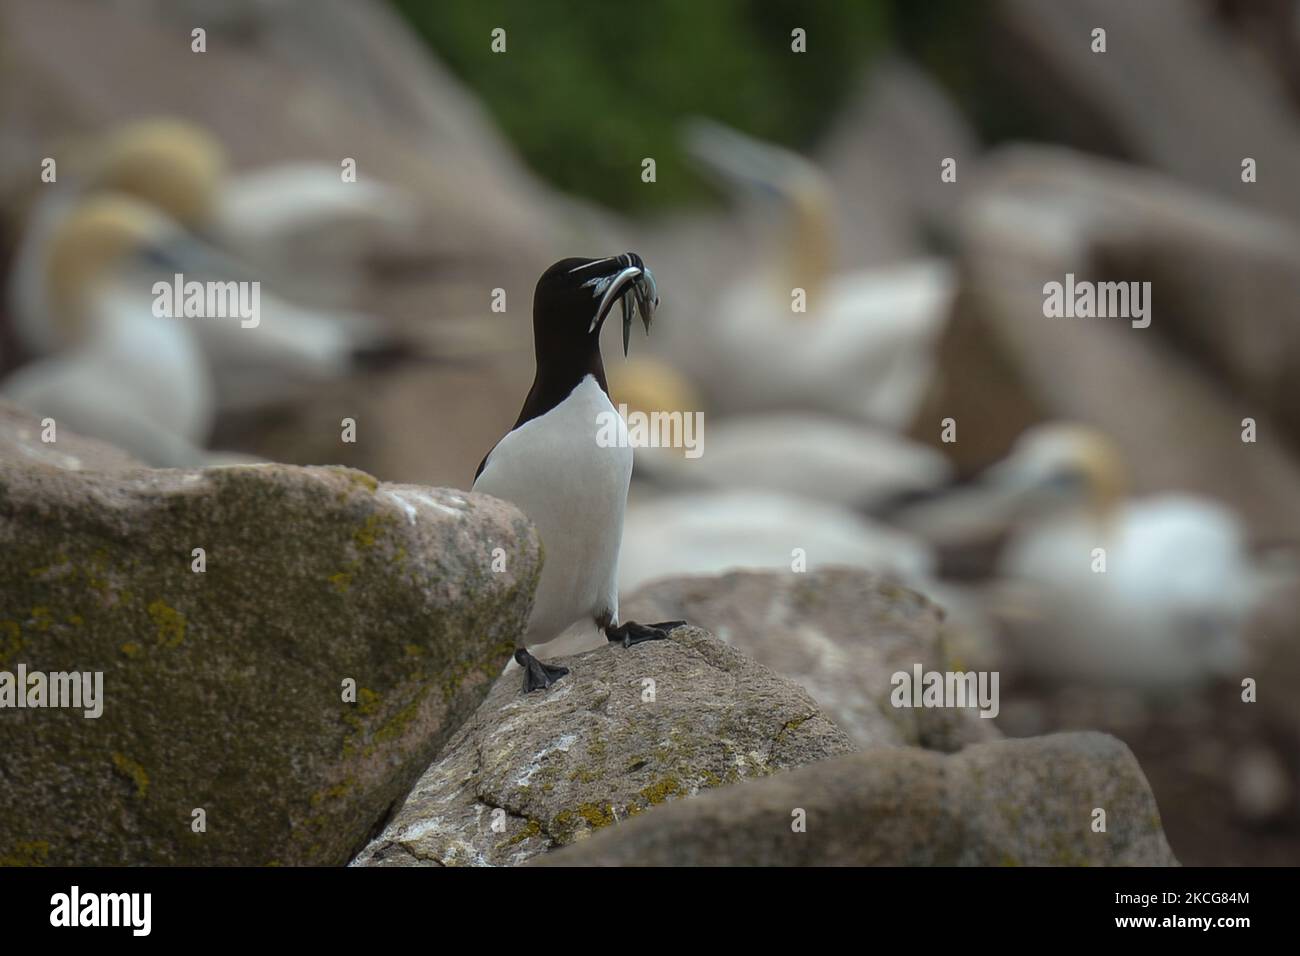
567, 463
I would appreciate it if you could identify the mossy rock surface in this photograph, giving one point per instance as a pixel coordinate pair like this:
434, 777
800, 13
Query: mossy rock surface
224, 690
1025, 802
841, 633
530, 772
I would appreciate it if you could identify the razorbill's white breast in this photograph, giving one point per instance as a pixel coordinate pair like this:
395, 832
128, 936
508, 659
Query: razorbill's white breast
566, 463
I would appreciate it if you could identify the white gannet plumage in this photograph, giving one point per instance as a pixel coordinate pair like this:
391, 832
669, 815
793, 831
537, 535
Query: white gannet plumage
712, 532
863, 347
1152, 592
111, 368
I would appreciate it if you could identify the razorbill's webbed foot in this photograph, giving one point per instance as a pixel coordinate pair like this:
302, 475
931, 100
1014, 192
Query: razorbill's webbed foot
633, 633
537, 676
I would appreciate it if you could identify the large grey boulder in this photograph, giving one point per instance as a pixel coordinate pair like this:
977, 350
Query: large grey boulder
841, 633
224, 690
1174, 89
627, 730
1029, 802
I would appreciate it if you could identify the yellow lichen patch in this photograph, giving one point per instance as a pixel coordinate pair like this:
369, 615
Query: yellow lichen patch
413, 650
133, 772
367, 535
585, 775
359, 479
531, 829
396, 725
332, 793
367, 701
169, 622
41, 618
131, 649
793, 724
657, 793
597, 814
27, 853
11, 640
76, 620
341, 581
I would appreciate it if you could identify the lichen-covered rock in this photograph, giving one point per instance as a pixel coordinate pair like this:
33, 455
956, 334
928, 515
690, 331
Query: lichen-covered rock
841, 633
1027, 802
626, 730
223, 689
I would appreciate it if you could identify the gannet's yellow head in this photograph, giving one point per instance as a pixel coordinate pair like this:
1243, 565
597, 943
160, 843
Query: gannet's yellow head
811, 246
766, 172
169, 163
98, 238
1056, 465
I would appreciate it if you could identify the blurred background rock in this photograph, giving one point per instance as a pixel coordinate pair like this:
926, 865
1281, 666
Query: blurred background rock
1117, 166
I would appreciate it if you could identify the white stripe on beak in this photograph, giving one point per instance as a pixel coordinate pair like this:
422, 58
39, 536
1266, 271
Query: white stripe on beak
588, 265
612, 292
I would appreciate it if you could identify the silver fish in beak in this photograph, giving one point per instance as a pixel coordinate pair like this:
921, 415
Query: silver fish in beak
641, 295
631, 283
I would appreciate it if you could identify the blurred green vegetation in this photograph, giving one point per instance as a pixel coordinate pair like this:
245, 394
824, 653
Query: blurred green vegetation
586, 90
951, 39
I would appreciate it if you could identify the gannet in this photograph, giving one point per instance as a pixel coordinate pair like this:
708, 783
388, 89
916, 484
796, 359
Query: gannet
863, 345
301, 224
113, 369
1152, 592
712, 532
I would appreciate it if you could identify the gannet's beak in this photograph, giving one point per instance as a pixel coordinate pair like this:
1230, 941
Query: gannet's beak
191, 256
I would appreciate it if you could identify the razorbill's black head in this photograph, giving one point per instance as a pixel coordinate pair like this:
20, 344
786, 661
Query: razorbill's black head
574, 296
570, 305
